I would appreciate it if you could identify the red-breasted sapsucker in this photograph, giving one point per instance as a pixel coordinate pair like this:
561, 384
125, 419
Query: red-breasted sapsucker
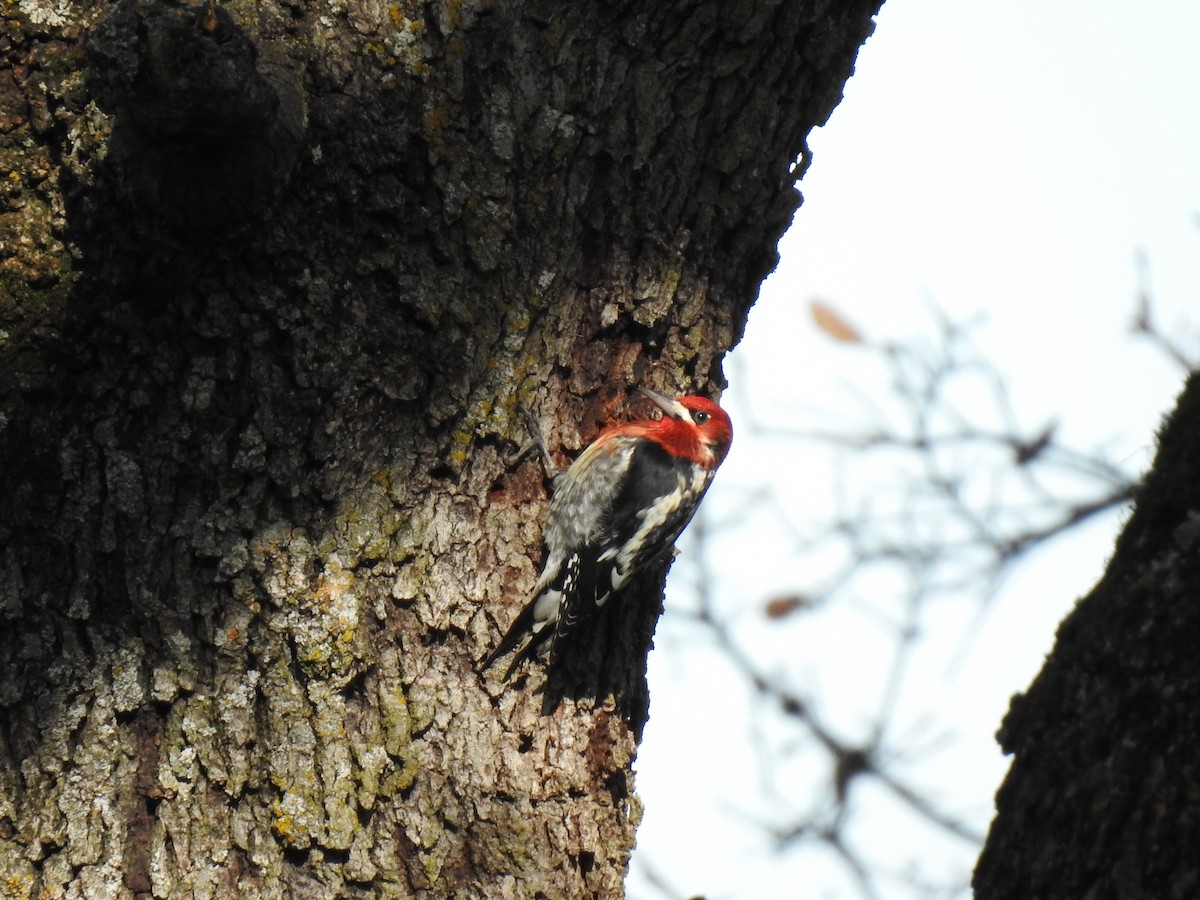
618, 508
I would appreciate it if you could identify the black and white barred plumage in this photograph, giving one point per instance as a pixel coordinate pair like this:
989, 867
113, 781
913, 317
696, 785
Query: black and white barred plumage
619, 507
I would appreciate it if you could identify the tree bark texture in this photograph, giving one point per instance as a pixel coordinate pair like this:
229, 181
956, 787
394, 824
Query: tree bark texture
276, 280
1103, 797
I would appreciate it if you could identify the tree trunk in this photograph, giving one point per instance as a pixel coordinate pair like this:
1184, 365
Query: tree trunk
1103, 797
277, 279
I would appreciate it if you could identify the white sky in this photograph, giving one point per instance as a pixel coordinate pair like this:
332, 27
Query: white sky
1005, 159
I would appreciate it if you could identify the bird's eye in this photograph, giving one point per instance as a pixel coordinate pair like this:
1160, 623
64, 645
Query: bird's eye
700, 418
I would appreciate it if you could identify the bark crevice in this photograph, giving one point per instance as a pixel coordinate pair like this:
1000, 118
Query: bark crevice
260, 401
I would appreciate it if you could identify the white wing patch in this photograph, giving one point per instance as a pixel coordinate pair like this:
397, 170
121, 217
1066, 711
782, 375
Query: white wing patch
655, 520
546, 606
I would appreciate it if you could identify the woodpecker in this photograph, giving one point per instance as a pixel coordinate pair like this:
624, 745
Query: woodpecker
619, 507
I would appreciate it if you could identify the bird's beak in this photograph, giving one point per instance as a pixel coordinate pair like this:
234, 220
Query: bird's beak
669, 406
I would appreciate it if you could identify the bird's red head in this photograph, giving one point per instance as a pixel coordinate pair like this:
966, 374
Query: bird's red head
692, 427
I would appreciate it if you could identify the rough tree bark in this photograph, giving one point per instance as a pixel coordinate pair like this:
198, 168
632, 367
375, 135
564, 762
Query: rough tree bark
276, 277
1103, 797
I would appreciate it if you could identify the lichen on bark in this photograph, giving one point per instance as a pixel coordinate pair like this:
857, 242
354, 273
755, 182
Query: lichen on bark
259, 436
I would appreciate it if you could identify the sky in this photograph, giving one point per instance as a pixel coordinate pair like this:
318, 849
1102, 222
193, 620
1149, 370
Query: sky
1005, 164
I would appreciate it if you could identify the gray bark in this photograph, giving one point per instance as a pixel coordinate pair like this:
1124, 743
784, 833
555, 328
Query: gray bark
276, 279
1103, 796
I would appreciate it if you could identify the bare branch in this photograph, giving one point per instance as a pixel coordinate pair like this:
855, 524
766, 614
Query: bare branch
973, 492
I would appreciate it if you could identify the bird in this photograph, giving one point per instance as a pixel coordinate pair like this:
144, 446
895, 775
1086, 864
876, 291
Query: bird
618, 508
